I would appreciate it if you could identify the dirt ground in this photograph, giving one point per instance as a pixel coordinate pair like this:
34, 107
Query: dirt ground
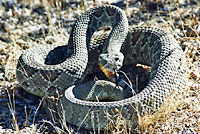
25, 23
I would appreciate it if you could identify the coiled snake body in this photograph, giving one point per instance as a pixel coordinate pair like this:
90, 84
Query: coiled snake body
40, 73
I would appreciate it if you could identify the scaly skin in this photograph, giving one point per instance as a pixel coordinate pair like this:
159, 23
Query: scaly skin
49, 70
42, 70
146, 45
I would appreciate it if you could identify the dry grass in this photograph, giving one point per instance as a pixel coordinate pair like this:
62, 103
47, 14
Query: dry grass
149, 123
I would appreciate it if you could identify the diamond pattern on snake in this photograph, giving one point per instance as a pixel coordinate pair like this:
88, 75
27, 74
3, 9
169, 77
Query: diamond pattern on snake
50, 70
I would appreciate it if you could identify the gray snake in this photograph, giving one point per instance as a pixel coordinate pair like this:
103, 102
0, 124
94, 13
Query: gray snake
40, 73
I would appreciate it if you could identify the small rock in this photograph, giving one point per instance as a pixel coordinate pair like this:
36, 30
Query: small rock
18, 32
21, 42
181, 1
4, 39
1, 12
50, 39
17, 13
8, 13
7, 27
26, 12
2, 76
26, 23
53, 20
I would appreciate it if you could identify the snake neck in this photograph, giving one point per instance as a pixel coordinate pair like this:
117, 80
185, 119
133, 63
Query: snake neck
94, 19
74, 56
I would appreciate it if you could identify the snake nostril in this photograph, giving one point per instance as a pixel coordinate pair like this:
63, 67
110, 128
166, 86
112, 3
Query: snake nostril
116, 59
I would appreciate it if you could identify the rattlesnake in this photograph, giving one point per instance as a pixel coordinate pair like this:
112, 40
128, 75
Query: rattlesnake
42, 70
40, 73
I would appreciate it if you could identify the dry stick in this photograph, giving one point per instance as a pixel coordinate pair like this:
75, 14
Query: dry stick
25, 109
130, 86
25, 73
45, 3
57, 129
12, 109
98, 123
130, 83
136, 83
181, 21
41, 126
86, 117
92, 120
37, 109
63, 119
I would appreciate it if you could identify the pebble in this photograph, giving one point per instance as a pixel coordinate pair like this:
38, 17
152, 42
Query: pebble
8, 27
17, 32
26, 12
50, 39
8, 13
2, 76
53, 20
21, 42
1, 12
4, 39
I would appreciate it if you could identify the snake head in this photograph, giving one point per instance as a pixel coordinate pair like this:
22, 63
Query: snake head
109, 62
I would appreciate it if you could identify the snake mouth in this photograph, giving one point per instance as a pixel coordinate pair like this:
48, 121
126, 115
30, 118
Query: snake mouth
109, 74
